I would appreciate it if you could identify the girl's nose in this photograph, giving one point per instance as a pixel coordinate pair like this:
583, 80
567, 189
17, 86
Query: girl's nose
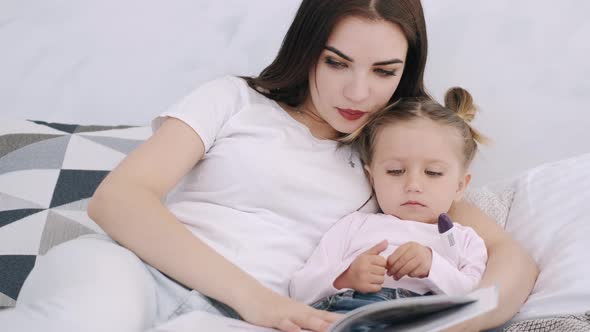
413, 184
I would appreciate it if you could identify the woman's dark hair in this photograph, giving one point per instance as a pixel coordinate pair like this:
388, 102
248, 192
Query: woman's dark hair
286, 78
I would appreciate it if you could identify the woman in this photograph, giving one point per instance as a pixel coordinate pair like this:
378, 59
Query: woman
261, 181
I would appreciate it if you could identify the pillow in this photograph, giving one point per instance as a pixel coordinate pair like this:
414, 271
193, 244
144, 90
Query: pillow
549, 217
569, 323
493, 199
48, 171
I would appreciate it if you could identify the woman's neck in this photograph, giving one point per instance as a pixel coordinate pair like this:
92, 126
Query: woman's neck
310, 118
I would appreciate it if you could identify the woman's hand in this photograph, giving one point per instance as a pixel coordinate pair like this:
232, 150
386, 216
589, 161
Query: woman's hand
410, 259
270, 309
366, 274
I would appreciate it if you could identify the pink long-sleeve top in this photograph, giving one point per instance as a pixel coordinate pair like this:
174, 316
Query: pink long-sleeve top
455, 270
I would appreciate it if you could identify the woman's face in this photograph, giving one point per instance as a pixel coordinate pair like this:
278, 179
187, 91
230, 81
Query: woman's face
356, 73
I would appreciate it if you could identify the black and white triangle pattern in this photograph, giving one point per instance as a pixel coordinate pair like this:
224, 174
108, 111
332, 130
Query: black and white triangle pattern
48, 171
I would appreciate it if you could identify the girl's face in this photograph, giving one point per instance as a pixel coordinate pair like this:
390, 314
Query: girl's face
356, 73
417, 169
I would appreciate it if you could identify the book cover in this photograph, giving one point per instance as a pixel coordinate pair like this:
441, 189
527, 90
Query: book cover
418, 314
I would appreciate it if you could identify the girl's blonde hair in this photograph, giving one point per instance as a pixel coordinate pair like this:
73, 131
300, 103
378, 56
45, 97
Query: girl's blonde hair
458, 112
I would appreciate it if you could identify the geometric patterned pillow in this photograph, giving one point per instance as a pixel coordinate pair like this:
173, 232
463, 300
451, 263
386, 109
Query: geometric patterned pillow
48, 171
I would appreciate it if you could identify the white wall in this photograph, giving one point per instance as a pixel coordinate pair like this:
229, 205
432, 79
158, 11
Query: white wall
124, 61
111, 62
527, 64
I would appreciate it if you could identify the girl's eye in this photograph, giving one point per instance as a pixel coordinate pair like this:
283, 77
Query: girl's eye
384, 72
333, 63
431, 173
396, 171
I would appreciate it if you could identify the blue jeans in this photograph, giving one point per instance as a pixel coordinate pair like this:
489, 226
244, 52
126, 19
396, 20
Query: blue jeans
351, 299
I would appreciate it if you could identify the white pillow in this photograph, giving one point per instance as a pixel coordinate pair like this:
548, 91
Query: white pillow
551, 219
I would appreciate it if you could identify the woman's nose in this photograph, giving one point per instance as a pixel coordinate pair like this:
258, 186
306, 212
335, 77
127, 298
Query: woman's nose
357, 89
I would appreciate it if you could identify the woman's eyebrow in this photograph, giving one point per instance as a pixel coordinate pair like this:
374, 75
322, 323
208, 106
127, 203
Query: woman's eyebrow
346, 57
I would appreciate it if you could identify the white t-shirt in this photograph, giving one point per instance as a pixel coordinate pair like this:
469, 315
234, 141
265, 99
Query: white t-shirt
266, 189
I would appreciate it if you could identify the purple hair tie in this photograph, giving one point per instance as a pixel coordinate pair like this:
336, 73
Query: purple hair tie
444, 223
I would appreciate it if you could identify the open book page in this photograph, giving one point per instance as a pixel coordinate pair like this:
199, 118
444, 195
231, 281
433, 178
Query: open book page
419, 314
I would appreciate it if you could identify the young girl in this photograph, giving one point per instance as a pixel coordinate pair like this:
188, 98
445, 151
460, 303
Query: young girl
258, 180
416, 154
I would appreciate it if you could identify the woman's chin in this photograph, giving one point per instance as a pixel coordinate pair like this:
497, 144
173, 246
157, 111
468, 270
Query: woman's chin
347, 128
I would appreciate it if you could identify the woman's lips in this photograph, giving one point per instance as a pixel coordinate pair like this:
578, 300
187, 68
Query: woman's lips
349, 114
413, 203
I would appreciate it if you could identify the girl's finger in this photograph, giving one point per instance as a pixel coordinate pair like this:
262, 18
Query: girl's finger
396, 255
377, 280
377, 270
407, 268
400, 262
378, 260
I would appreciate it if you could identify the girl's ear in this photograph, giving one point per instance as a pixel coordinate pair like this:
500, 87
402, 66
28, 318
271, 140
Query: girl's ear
462, 187
368, 173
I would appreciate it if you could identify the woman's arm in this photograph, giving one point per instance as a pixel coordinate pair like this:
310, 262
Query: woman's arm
509, 266
128, 206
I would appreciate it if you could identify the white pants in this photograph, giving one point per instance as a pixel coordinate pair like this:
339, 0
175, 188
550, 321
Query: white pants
93, 284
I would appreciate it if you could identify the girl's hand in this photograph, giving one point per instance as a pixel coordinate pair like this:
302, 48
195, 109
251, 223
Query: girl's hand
410, 259
270, 309
366, 274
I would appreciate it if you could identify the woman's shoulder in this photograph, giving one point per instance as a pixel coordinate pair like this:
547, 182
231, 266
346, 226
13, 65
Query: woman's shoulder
228, 93
235, 87
224, 86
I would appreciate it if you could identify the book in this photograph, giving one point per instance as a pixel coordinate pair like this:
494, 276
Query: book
418, 314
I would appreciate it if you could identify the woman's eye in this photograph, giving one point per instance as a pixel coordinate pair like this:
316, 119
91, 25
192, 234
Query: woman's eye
396, 171
384, 72
431, 173
336, 64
